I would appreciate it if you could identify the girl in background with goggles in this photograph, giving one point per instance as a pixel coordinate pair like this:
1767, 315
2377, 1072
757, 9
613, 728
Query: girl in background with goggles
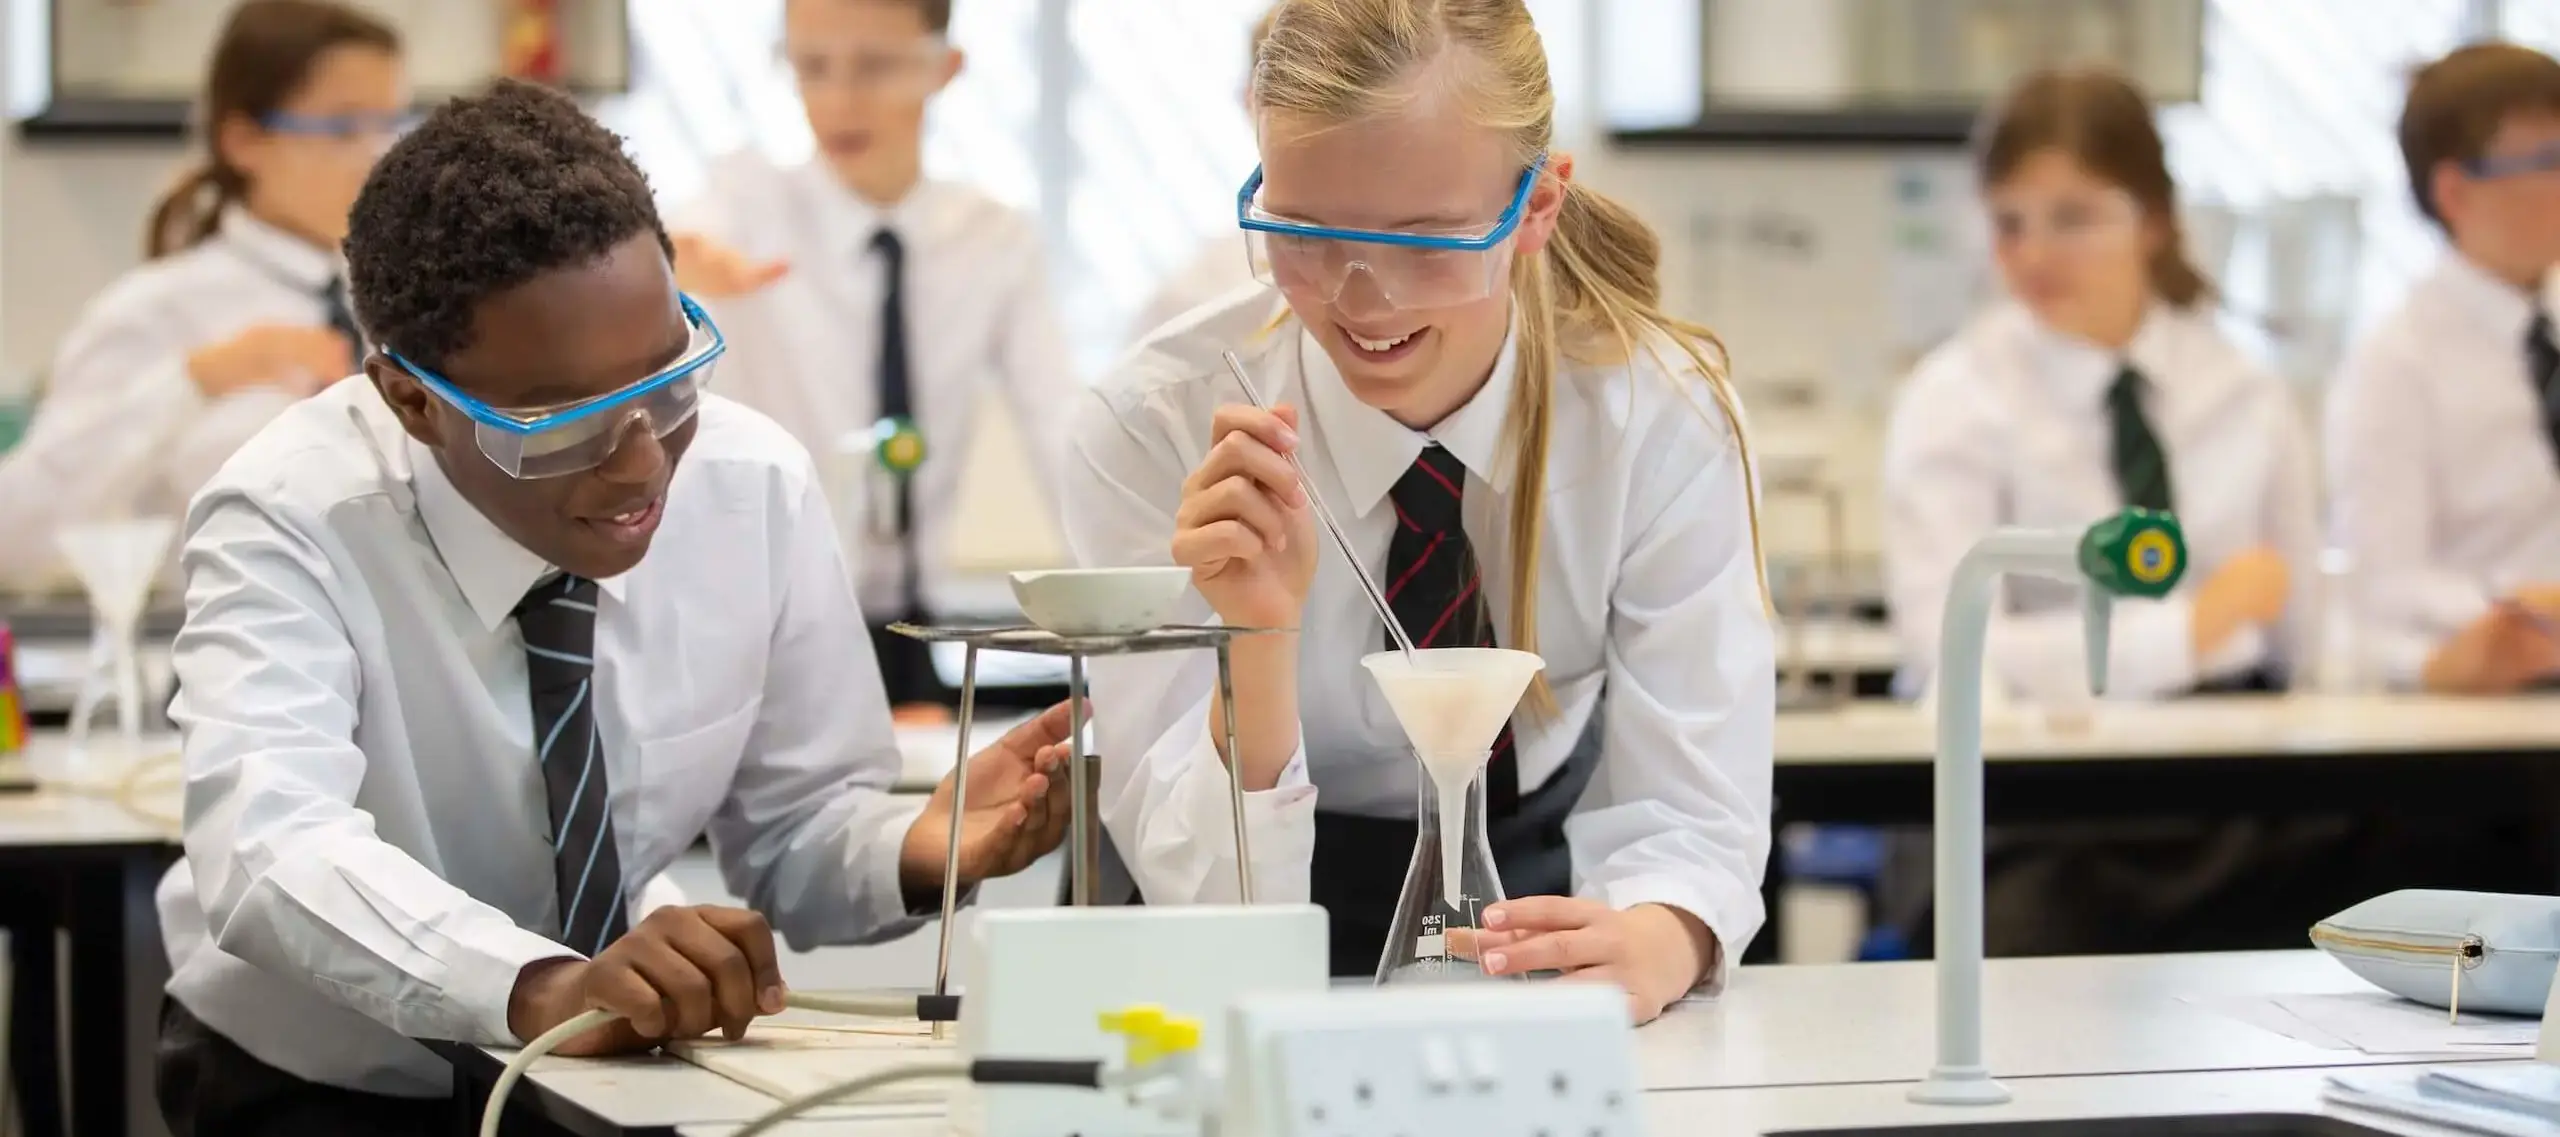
240, 309
2103, 381
1526, 451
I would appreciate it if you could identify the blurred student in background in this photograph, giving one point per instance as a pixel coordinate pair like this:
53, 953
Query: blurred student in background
1223, 263
241, 308
2444, 426
862, 299
2102, 383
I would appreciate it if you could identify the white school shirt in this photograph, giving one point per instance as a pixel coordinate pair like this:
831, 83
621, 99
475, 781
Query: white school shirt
1647, 587
2444, 491
806, 350
2007, 424
123, 429
366, 827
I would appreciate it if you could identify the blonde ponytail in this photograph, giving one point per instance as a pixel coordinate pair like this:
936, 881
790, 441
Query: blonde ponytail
1592, 296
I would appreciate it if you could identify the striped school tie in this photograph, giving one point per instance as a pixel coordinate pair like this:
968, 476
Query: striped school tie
1437, 594
558, 619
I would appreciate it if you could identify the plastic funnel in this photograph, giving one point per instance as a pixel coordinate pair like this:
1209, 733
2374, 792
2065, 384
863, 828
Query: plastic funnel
1452, 701
115, 562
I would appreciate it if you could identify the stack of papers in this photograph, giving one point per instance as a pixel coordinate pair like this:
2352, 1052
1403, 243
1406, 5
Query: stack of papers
2371, 1022
2519, 1100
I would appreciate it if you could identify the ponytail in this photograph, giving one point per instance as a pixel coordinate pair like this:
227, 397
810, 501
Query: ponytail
183, 218
1590, 296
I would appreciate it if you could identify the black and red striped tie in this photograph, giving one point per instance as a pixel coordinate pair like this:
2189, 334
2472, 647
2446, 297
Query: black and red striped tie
1437, 593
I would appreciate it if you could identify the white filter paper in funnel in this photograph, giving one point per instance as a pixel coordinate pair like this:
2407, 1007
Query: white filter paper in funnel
1452, 703
116, 563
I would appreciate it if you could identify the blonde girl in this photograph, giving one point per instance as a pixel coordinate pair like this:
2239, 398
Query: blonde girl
1526, 452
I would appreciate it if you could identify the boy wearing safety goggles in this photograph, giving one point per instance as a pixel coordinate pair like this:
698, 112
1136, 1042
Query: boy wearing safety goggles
474, 648
2444, 426
1526, 452
874, 309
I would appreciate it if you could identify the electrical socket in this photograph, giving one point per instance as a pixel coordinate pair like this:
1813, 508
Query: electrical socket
1486, 1060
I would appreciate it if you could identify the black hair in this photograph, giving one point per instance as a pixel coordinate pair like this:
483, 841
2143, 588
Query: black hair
489, 192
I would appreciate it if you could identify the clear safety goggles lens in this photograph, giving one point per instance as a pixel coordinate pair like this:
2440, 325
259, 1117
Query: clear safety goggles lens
2069, 224
584, 444
1399, 276
578, 437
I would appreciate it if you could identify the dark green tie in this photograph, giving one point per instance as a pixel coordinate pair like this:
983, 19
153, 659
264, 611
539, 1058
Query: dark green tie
2142, 471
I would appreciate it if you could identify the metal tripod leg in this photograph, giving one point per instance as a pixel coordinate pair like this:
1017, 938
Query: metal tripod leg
1084, 838
959, 812
1235, 779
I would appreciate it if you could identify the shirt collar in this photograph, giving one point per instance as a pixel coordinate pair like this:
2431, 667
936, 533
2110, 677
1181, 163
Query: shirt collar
280, 254
2080, 372
1370, 450
493, 571
2501, 307
847, 222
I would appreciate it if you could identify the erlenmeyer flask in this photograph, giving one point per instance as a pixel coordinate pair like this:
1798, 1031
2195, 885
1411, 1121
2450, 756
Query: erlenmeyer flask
1432, 938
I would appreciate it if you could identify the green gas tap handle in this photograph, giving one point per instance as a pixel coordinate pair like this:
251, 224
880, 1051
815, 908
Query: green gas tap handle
2138, 552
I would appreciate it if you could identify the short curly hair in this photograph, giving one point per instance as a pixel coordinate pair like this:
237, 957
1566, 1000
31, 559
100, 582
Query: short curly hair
489, 192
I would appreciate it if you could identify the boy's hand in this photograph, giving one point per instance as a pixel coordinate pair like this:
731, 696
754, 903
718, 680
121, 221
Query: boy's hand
678, 974
1652, 952
1018, 808
2510, 647
707, 268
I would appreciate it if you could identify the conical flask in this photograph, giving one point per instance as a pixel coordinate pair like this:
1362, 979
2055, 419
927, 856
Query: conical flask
1452, 704
1447, 887
115, 562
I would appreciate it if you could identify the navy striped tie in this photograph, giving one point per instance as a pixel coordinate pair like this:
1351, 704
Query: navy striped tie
558, 619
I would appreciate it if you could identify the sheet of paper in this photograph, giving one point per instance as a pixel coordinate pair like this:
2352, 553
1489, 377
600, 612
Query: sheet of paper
2377, 1023
2396, 1092
2264, 1013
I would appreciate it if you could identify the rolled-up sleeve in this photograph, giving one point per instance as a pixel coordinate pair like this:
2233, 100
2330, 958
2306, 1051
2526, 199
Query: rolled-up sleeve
1678, 813
1165, 797
291, 874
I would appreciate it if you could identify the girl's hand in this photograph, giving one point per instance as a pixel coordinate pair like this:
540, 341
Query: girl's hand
297, 358
1652, 952
1244, 528
707, 268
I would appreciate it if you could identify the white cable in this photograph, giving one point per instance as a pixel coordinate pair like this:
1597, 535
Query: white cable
881, 1006
533, 1052
842, 1090
873, 1006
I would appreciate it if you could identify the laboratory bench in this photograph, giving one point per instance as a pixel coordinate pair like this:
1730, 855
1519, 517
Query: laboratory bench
2120, 1105
1818, 1046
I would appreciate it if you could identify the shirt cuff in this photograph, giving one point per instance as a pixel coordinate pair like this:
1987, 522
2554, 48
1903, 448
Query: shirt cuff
881, 886
1732, 913
1192, 849
482, 973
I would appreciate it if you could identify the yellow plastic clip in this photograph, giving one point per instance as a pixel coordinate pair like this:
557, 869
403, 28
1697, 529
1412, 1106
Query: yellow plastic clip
1152, 1034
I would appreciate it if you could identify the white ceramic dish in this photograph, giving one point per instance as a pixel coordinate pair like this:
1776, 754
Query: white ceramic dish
1100, 602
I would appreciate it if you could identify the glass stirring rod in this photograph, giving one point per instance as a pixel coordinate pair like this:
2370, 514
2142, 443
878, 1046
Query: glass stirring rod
1341, 541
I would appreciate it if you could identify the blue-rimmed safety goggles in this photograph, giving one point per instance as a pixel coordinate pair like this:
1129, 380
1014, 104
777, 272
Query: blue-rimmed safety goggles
2537, 161
577, 437
1408, 268
379, 126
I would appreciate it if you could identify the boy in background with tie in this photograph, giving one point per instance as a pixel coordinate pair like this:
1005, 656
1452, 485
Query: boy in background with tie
2444, 428
869, 307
